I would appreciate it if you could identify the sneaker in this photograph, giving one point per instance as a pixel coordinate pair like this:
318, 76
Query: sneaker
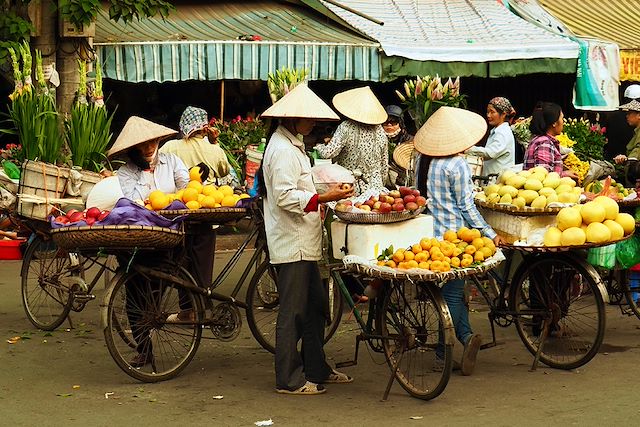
336, 377
308, 388
141, 359
470, 353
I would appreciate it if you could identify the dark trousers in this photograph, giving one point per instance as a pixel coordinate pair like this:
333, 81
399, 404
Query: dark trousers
302, 316
200, 246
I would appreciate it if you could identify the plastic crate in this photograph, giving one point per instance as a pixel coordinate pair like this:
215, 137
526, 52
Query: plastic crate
10, 249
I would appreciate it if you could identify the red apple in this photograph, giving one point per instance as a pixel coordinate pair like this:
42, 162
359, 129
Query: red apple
376, 205
395, 194
358, 205
374, 198
76, 216
388, 199
399, 207
347, 202
421, 201
415, 192
103, 215
93, 213
90, 220
369, 203
409, 198
385, 208
61, 219
412, 206
405, 191
70, 212
398, 200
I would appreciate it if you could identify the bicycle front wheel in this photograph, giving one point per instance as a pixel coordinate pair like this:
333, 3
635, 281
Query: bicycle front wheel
47, 296
413, 323
561, 294
263, 305
136, 311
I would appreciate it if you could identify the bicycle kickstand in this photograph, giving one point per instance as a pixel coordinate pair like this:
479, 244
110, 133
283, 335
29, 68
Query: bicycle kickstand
545, 333
493, 343
353, 362
385, 396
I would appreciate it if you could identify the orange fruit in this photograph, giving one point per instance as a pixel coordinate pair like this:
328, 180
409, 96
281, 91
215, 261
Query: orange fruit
228, 201
467, 257
466, 262
197, 185
421, 256
217, 205
462, 232
193, 204
218, 195
159, 202
402, 265
487, 252
156, 194
195, 174
417, 248
447, 249
189, 194
390, 263
179, 194
478, 242
475, 233
398, 256
455, 262
479, 256
245, 196
208, 202
425, 242
435, 265
381, 262
445, 266
201, 198
423, 265
148, 206
409, 256
470, 250
412, 264
208, 189
457, 251
226, 190
435, 242
450, 235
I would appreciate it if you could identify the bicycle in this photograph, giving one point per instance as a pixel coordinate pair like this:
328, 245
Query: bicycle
556, 301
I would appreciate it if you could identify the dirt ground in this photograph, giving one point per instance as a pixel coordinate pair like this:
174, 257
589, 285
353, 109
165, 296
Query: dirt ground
67, 377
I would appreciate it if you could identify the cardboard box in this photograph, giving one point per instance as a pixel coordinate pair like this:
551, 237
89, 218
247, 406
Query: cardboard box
362, 239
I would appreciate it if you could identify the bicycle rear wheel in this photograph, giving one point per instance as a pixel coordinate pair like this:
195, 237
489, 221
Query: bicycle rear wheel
46, 285
263, 305
136, 310
413, 320
631, 290
561, 292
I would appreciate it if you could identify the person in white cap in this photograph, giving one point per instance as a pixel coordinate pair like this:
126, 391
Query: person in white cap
360, 143
633, 119
443, 175
294, 237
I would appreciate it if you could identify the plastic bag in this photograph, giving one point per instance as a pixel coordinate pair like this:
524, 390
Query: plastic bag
604, 256
325, 175
628, 252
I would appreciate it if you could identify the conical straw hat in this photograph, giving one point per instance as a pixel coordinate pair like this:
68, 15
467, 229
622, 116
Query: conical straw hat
449, 131
361, 105
403, 154
301, 103
630, 106
136, 131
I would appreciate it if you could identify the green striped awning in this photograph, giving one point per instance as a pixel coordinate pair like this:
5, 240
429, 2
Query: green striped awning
199, 42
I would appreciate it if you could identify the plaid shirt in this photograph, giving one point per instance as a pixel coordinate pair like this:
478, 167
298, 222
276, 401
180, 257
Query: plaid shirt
543, 150
450, 193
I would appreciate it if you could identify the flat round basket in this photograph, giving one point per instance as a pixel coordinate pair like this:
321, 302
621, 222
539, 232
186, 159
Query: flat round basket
210, 215
378, 218
513, 210
629, 203
116, 236
546, 249
369, 268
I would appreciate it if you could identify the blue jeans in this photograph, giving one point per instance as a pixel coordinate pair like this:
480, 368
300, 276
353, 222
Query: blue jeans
453, 294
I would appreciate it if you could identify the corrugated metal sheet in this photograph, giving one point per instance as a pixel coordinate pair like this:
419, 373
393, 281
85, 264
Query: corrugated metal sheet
199, 41
613, 20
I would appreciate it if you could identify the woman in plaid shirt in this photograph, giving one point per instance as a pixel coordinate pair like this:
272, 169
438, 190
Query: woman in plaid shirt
547, 122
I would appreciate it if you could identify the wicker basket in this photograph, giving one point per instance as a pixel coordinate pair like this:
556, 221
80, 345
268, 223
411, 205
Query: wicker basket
547, 249
513, 210
629, 203
378, 218
213, 215
116, 236
360, 265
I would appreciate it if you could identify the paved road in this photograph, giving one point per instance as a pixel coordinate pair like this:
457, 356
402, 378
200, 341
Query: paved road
62, 378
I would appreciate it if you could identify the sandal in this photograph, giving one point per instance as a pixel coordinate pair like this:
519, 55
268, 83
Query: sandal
182, 316
308, 388
336, 377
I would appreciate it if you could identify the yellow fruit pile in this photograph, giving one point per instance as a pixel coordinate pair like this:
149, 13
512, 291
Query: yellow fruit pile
456, 250
196, 196
597, 222
535, 187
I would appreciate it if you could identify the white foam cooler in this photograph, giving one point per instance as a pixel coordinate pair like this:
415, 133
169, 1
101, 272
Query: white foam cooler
363, 238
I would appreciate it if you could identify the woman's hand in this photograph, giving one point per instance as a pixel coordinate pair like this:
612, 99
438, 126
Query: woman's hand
570, 174
336, 192
498, 241
620, 158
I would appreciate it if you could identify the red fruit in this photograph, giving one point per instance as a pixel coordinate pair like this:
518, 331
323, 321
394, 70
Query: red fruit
395, 194
90, 220
384, 208
421, 201
374, 198
103, 215
405, 191
397, 200
61, 219
376, 205
412, 206
347, 202
399, 207
415, 192
93, 213
370, 203
71, 212
409, 198
76, 216
388, 199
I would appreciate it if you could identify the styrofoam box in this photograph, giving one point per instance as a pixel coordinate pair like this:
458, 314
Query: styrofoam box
514, 227
363, 238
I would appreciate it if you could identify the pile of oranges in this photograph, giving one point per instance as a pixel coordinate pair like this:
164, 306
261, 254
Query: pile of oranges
196, 195
457, 249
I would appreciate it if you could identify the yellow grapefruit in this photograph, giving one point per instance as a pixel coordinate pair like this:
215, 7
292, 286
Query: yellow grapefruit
568, 218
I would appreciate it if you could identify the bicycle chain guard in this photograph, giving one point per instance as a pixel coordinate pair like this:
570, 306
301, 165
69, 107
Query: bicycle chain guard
226, 322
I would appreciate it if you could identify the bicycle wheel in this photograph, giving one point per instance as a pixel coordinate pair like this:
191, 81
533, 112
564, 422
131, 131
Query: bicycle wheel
46, 284
263, 305
631, 290
137, 307
562, 293
412, 321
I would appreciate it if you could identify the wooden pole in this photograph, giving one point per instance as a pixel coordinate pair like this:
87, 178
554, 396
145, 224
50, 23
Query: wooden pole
222, 100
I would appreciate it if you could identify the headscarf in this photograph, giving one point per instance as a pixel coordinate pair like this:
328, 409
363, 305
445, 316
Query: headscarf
502, 105
193, 119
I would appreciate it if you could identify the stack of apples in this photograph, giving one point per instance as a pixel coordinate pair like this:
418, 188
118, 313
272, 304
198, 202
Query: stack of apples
90, 216
402, 199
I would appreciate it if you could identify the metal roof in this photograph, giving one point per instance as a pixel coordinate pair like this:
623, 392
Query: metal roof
613, 20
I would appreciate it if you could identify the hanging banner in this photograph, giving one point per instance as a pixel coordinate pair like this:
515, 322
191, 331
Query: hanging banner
630, 65
598, 72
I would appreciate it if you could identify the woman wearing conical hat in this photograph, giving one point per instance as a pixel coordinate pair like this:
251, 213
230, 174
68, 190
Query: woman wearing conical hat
443, 174
360, 142
294, 237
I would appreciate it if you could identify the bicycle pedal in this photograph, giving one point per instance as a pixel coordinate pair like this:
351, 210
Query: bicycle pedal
346, 364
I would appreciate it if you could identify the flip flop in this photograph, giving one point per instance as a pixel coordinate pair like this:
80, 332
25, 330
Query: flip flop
308, 388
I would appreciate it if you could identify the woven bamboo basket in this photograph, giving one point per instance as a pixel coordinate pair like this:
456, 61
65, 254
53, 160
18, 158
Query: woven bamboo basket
552, 249
116, 236
513, 210
378, 218
212, 215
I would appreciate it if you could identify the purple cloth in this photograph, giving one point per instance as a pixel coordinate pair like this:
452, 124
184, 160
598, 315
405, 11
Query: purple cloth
126, 212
